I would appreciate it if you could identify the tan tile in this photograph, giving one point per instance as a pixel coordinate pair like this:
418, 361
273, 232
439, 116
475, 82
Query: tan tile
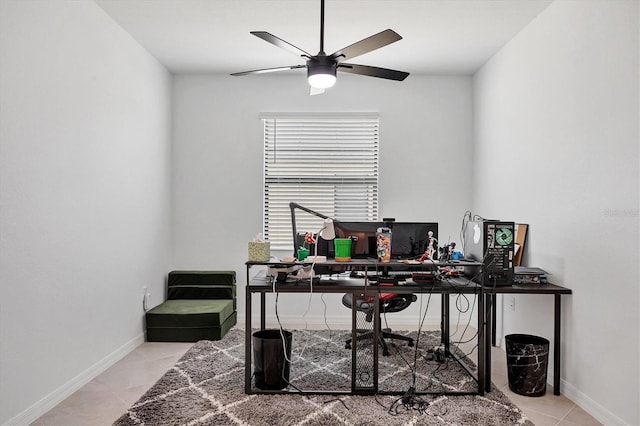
577, 416
94, 404
540, 419
131, 395
499, 368
499, 379
107, 397
498, 357
552, 405
163, 350
133, 373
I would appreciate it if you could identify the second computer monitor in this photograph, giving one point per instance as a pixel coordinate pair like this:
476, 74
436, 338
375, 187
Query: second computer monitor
412, 239
408, 239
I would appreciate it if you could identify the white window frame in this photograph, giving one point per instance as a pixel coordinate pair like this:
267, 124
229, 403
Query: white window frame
325, 162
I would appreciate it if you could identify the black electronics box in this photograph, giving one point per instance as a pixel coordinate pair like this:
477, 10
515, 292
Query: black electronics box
492, 243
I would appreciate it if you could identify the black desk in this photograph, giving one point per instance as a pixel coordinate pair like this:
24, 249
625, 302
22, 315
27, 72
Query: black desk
358, 286
490, 301
485, 317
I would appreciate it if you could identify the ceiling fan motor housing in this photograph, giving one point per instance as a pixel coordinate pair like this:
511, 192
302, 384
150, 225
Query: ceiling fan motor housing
321, 71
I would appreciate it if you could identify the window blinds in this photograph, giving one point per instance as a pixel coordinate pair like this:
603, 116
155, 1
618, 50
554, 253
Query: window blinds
327, 164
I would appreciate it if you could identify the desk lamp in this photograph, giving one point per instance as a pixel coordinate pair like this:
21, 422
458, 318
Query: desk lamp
327, 231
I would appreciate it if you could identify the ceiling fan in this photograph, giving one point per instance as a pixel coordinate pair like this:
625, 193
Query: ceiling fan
322, 68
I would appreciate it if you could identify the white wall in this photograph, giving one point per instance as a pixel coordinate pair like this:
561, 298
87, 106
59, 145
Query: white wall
425, 157
85, 184
85, 192
556, 123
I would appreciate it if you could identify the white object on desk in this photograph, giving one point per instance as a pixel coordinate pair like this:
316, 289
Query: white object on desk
316, 259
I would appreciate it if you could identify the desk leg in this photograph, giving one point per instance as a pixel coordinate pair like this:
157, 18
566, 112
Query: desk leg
247, 343
489, 337
377, 327
556, 345
263, 310
482, 332
493, 319
444, 322
354, 344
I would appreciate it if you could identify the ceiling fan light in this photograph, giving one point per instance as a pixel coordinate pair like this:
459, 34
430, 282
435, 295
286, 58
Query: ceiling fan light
321, 73
322, 81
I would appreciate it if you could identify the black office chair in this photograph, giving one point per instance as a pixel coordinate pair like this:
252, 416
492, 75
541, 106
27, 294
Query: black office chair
389, 302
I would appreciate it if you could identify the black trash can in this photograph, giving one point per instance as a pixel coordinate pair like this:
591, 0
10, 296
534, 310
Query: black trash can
271, 368
527, 360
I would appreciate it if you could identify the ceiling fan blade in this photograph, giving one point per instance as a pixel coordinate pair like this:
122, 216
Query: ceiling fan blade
373, 71
266, 70
366, 45
280, 43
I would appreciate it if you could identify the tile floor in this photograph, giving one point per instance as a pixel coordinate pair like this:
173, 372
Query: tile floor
106, 397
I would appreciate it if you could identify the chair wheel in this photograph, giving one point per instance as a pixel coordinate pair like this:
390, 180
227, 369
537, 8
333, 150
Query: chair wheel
410, 343
385, 352
347, 346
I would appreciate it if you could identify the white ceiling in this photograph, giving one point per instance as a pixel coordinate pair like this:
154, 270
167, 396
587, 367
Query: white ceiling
212, 36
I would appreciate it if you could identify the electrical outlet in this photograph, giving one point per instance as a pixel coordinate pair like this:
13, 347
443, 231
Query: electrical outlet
145, 298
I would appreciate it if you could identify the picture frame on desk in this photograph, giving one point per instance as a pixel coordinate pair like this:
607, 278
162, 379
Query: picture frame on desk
520, 240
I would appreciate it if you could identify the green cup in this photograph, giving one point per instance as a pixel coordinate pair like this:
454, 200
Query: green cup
343, 249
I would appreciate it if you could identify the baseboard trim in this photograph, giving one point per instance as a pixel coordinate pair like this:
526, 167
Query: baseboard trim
54, 398
599, 412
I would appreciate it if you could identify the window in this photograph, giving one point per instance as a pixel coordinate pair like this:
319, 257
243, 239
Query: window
325, 163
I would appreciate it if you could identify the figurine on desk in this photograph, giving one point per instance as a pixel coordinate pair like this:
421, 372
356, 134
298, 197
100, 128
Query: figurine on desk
449, 253
431, 251
454, 255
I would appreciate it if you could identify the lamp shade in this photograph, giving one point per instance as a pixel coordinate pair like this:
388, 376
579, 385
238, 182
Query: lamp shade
328, 231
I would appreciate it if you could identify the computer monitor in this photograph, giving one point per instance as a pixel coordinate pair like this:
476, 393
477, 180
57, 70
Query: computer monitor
408, 239
411, 239
363, 237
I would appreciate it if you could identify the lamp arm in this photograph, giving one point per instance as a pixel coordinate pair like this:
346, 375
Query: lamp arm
293, 206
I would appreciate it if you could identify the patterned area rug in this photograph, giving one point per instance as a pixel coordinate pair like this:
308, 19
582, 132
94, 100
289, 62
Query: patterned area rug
206, 387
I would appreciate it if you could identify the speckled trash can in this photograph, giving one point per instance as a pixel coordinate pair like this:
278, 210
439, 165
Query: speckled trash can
527, 360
